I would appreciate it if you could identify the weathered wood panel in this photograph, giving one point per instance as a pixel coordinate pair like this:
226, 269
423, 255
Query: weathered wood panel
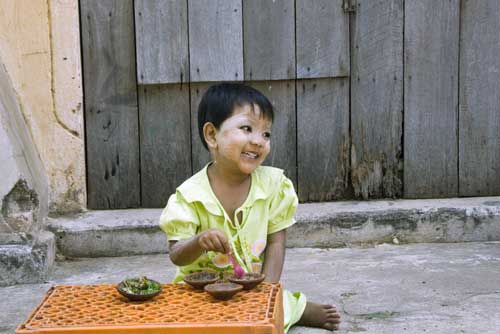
431, 98
165, 141
111, 120
269, 39
322, 138
377, 98
215, 40
479, 119
283, 135
162, 41
322, 39
200, 155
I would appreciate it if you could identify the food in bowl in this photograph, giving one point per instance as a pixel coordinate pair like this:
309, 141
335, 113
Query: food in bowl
223, 291
249, 280
199, 279
141, 288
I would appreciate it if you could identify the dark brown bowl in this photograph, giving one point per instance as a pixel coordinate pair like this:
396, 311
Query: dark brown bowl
249, 280
223, 291
199, 279
137, 297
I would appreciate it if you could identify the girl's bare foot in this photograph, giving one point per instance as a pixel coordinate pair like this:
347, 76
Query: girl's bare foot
321, 316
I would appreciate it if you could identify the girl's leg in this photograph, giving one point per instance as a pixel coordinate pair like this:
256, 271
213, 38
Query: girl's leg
298, 311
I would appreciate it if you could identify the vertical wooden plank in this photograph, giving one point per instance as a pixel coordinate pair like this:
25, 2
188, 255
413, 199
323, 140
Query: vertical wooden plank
112, 136
215, 40
162, 41
377, 98
283, 137
165, 141
479, 119
200, 155
322, 138
431, 98
269, 39
322, 39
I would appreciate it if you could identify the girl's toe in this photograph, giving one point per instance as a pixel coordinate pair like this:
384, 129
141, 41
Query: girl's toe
329, 326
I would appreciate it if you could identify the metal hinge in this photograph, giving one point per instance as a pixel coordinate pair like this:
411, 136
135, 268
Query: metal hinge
349, 6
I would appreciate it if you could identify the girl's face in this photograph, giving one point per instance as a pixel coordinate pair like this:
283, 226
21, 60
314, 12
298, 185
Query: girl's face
243, 141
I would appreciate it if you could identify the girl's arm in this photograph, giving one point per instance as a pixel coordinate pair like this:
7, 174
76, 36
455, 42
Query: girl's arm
184, 252
274, 256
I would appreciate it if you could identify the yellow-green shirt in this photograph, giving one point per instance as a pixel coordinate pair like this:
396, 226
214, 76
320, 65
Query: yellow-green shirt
269, 207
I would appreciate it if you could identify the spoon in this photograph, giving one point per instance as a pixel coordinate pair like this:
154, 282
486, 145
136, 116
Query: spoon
238, 270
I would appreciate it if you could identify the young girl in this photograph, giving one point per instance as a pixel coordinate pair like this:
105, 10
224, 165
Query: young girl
235, 205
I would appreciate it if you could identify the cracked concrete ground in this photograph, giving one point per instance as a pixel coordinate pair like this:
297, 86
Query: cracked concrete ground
417, 288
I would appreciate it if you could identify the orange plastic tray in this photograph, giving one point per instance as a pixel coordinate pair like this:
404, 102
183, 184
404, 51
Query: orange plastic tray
83, 309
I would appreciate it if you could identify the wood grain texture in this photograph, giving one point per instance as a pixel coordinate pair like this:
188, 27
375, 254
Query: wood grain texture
377, 98
269, 39
200, 155
165, 141
322, 138
431, 98
479, 112
161, 29
322, 39
283, 138
215, 40
111, 119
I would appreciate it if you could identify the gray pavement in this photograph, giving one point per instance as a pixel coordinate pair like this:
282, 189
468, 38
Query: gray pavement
416, 288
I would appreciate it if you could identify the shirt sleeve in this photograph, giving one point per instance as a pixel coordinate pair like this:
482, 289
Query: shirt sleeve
179, 219
283, 206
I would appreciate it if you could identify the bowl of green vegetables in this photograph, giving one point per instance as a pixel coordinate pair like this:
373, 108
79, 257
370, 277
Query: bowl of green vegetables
141, 288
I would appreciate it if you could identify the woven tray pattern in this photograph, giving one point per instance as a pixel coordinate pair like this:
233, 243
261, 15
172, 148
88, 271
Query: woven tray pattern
102, 305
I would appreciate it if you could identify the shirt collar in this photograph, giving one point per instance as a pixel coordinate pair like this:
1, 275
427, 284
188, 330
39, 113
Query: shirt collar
198, 189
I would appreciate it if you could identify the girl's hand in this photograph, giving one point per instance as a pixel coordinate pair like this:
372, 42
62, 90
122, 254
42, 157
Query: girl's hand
214, 240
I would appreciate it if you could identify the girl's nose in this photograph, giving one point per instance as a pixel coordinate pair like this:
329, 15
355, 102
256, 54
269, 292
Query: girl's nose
257, 140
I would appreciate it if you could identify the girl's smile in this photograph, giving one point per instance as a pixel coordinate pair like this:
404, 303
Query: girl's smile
242, 142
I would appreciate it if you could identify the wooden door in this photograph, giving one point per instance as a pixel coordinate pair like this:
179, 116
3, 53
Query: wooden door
142, 135
371, 102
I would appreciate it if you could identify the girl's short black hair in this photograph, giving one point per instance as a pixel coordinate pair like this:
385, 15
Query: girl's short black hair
219, 101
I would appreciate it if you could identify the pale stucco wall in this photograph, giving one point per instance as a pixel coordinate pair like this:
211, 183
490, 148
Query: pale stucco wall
24, 184
40, 48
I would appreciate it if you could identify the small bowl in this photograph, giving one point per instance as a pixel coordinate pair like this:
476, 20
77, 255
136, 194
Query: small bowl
199, 279
223, 291
249, 280
138, 296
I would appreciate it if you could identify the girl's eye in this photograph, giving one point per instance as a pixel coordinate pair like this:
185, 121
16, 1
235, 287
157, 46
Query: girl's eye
267, 135
246, 128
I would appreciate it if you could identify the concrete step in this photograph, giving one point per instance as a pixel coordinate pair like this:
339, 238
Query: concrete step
417, 288
323, 225
28, 261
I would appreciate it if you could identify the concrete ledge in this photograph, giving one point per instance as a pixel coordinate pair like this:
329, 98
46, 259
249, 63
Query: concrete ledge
109, 233
26, 263
343, 224
333, 224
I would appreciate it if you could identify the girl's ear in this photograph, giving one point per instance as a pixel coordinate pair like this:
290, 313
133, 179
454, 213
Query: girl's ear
209, 133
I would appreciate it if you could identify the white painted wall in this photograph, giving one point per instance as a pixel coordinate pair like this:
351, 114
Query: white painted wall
40, 49
19, 160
